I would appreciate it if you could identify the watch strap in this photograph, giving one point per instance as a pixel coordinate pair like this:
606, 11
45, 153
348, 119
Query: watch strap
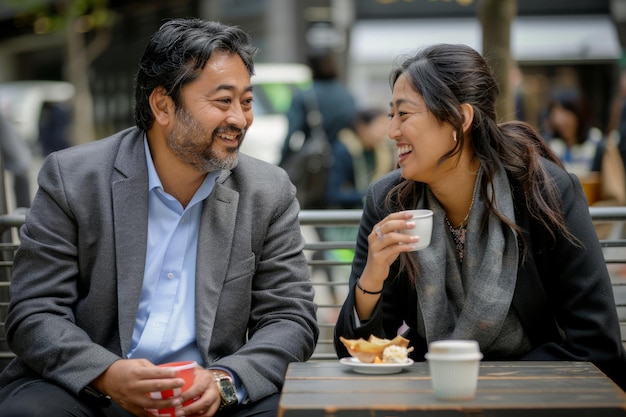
222, 377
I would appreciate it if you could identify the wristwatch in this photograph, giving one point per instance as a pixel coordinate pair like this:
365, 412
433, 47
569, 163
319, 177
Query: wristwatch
226, 386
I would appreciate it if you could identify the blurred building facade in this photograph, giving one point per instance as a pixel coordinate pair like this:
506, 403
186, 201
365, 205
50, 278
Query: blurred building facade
554, 42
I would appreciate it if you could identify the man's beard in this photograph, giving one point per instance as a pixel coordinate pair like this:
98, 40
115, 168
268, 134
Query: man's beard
188, 141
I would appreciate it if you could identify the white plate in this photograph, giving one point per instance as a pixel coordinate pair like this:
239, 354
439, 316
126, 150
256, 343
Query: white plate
375, 368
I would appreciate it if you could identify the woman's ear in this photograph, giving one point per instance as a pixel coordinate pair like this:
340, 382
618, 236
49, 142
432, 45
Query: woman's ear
162, 106
468, 116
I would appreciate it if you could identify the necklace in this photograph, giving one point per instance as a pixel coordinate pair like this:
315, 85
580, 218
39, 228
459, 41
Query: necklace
458, 235
464, 221
459, 232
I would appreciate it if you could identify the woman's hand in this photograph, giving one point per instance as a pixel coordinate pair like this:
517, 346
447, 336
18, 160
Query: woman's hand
386, 243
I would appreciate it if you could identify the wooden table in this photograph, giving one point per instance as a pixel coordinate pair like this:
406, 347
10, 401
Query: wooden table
512, 389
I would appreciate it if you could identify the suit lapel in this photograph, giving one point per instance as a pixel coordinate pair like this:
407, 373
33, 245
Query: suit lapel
215, 240
130, 211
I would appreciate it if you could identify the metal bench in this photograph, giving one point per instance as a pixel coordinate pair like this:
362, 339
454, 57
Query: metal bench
330, 265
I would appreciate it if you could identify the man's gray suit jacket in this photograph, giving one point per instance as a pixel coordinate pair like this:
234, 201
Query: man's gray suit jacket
78, 273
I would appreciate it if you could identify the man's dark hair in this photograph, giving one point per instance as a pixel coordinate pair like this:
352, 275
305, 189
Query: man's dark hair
177, 53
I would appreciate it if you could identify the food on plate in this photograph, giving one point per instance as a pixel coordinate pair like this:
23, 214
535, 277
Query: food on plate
372, 350
395, 354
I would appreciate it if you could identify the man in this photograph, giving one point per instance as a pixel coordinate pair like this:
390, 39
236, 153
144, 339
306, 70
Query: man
161, 244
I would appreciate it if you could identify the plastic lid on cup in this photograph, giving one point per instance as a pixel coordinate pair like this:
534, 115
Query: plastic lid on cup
454, 350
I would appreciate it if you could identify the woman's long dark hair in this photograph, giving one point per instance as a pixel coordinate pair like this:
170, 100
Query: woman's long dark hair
447, 76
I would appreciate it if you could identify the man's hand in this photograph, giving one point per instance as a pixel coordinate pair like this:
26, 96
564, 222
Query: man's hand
129, 381
205, 389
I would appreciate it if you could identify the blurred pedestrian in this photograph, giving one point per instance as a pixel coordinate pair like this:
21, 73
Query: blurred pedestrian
17, 159
363, 153
53, 127
327, 99
335, 103
571, 135
586, 152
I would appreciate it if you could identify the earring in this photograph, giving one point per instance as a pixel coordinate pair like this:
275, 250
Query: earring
454, 136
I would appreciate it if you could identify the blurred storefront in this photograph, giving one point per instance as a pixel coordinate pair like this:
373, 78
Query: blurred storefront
556, 44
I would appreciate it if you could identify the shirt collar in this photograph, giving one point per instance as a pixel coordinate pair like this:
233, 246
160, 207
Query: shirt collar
153, 178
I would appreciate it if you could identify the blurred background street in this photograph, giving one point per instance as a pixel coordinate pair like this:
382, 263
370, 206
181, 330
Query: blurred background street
67, 66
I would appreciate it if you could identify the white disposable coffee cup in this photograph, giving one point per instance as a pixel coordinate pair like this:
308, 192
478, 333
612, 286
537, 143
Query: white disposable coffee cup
423, 220
454, 366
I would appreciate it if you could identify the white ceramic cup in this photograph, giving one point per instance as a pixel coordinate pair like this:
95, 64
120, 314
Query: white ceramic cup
423, 220
454, 366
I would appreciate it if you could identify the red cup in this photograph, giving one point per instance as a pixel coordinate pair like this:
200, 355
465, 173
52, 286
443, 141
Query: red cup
184, 370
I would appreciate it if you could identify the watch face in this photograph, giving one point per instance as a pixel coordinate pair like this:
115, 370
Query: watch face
229, 393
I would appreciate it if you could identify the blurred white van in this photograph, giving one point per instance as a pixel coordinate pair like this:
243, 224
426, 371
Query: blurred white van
22, 102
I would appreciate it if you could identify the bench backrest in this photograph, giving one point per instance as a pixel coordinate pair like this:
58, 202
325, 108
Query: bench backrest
329, 259
333, 257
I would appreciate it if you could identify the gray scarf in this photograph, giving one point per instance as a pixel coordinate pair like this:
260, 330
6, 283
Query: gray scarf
471, 300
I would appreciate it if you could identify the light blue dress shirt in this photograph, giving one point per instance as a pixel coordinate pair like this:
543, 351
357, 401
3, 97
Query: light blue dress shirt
165, 329
165, 326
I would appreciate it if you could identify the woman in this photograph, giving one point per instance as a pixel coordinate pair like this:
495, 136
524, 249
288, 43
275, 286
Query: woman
514, 262
573, 139
584, 151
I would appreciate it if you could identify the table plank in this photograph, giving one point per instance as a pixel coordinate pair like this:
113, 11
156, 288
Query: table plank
504, 388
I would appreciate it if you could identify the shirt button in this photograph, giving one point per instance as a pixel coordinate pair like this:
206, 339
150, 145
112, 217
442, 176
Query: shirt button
170, 275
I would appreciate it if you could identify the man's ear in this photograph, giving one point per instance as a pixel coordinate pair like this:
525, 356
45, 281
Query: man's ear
468, 116
162, 106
